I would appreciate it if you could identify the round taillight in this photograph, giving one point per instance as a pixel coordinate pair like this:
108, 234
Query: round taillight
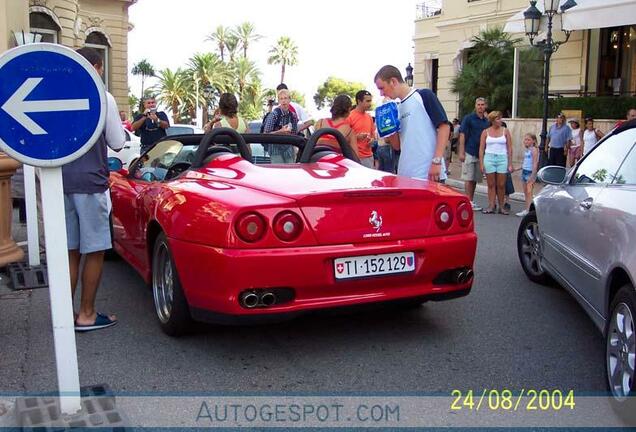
444, 216
464, 214
250, 227
288, 226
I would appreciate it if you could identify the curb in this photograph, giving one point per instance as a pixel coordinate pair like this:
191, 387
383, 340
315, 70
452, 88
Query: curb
483, 189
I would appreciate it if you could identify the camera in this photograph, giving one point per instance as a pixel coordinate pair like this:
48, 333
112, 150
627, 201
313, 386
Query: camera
270, 102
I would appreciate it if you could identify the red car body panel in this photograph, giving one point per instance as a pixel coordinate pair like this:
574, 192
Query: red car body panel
334, 198
310, 272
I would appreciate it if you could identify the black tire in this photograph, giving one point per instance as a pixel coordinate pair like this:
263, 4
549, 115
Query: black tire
620, 353
171, 306
529, 249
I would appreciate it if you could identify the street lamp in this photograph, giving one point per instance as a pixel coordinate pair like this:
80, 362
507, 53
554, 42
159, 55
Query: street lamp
409, 75
532, 21
208, 91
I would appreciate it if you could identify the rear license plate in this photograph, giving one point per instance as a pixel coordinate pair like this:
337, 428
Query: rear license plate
374, 265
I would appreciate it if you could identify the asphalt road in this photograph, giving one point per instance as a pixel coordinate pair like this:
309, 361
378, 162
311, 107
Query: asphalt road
508, 333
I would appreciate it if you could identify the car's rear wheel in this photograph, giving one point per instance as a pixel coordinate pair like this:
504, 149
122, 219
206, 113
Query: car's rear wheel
620, 352
529, 249
171, 305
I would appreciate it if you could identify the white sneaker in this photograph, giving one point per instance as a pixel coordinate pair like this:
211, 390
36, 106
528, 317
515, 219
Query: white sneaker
522, 213
475, 206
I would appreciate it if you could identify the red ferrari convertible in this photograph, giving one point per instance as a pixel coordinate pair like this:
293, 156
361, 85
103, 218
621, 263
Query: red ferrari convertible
222, 239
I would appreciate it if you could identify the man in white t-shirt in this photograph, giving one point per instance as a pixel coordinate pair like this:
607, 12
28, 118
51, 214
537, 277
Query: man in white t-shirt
424, 128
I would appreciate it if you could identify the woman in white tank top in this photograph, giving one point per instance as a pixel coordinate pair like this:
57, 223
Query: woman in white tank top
591, 136
495, 156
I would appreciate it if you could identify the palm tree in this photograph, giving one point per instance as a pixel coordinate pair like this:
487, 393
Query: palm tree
284, 53
251, 104
133, 103
204, 69
173, 90
220, 36
246, 35
246, 74
488, 71
232, 44
145, 69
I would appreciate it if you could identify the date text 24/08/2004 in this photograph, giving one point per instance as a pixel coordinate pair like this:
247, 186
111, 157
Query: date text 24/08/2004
506, 400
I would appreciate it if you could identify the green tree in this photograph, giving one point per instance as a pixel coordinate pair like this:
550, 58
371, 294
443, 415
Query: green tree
333, 87
245, 72
252, 101
284, 53
133, 103
145, 70
220, 37
297, 97
173, 91
488, 71
246, 34
204, 69
232, 45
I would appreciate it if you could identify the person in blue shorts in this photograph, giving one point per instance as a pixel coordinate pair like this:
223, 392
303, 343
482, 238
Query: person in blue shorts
87, 207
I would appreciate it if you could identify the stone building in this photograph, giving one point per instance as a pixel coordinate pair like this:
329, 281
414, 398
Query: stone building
101, 24
599, 58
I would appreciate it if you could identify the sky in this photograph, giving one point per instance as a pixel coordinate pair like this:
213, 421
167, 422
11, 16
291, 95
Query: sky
349, 39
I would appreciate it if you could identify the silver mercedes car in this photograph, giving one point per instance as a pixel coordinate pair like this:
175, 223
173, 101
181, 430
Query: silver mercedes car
581, 232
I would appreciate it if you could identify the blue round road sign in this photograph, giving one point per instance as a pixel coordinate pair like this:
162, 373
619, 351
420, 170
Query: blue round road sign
52, 104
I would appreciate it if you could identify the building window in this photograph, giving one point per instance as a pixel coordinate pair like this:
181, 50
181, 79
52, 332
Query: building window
43, 24
99, 42
617, 60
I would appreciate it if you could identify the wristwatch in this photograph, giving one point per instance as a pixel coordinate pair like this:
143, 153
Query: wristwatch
437, 160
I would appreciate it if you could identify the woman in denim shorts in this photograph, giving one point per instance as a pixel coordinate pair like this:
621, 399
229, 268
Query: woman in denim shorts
495, 154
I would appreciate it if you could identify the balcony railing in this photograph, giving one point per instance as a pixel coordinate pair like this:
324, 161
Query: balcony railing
428, 9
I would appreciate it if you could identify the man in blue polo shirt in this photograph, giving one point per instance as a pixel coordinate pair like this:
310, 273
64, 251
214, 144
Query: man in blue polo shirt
557, 138
469, 137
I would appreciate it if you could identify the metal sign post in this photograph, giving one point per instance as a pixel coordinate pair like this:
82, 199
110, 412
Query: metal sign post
30, 198
52, 111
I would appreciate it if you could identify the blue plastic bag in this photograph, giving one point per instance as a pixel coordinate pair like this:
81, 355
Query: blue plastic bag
387, 119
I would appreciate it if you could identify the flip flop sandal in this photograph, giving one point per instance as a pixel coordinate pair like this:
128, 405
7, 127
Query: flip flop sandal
487, 211
101, 321
504, 212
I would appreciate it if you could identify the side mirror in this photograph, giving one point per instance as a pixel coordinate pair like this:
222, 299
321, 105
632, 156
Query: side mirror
114, 164
553, 174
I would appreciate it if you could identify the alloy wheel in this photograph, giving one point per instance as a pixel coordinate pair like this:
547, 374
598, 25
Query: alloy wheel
621, 352
531, 249
163, 284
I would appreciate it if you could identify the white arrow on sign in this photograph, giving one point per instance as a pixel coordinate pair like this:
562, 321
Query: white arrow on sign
17, 107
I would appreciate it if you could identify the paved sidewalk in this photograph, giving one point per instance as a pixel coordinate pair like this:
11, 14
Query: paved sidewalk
455, 181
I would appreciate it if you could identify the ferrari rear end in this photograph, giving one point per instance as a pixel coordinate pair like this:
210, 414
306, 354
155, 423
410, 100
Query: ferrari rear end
401, 239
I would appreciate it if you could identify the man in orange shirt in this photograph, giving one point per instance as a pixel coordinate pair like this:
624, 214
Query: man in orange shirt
363, 126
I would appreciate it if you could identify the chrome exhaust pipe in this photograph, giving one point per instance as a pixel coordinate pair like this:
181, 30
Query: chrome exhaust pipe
460, 277
268, 298
469, 275
249, 299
